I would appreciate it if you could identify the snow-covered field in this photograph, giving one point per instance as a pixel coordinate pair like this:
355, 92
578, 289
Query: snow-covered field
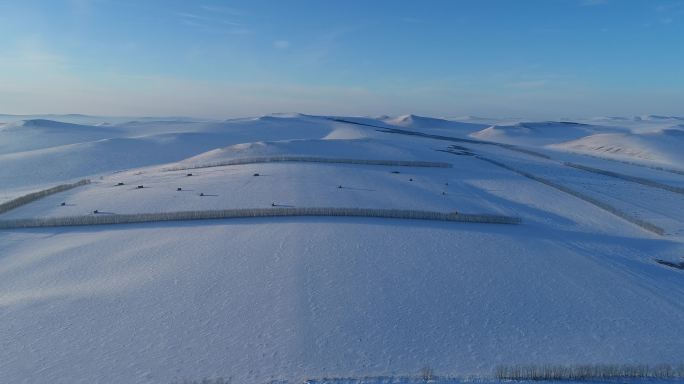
292, 298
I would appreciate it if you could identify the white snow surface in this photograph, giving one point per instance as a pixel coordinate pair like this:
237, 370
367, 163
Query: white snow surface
435, 125
538, 133
291, 298
660, 147
648, 140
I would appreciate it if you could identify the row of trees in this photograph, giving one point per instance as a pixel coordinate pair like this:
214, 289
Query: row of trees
587, 371
30, 197
605, 206
633, 179
311, 159
254, 212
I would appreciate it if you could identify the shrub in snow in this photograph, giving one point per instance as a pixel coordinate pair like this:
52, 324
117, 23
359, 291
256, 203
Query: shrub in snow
426, 373
205, 381
22, 200
587, 372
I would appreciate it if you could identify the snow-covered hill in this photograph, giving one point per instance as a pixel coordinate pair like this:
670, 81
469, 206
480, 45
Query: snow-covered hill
290, 298
79, 151
434, 125
653, 141
35, 134
663, 146
539, 133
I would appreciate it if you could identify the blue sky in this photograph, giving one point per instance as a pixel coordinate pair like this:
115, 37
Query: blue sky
543, 58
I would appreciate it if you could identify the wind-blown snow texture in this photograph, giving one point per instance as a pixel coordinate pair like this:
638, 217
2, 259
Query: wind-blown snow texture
290, 298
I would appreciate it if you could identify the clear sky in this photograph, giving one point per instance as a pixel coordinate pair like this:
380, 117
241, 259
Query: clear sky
536, 58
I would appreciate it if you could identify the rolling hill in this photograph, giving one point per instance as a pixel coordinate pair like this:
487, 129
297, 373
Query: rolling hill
261, 299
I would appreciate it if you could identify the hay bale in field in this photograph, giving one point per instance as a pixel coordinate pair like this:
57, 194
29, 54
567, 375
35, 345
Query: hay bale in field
671, 264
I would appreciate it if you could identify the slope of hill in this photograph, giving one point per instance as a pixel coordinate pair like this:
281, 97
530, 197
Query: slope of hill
26, 135
265, 299
79, 151
651, 141
539, 133
434, 125
657, 147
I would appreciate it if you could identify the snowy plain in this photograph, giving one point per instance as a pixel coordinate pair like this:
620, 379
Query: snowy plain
294, 298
